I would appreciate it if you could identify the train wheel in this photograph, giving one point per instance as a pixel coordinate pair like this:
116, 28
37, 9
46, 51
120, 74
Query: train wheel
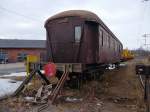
97, 75
75, 81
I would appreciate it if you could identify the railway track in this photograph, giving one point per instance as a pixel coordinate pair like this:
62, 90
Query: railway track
142, 81
145, 82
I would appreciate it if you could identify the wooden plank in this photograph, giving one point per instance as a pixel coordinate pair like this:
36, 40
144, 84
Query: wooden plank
59, 84
25, 82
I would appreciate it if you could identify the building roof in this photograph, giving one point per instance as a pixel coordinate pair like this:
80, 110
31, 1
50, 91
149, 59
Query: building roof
15, 43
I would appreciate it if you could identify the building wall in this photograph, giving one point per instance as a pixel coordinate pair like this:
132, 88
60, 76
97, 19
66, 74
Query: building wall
13, 53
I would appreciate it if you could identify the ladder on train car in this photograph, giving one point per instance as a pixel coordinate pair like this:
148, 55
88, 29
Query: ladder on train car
60, 84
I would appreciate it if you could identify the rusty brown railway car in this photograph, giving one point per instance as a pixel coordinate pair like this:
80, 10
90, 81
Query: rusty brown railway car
81, 39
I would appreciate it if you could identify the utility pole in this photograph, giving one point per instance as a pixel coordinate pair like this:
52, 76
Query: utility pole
145, 40
146, 35
147, 78
147, 71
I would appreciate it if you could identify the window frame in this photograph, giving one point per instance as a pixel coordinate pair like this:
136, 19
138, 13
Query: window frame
77, 40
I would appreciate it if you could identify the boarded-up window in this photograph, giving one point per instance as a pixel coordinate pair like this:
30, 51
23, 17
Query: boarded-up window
77, 33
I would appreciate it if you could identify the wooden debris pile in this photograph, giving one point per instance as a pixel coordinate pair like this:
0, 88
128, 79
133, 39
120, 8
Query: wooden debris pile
41, 96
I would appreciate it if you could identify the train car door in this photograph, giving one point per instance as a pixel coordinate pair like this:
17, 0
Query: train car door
91, 35
60, 38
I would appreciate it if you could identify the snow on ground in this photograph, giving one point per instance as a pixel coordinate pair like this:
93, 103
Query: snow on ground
15, 74
111, 67
7, 87
122, 64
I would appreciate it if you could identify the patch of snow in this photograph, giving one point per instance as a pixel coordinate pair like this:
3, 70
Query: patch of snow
7, 88
111, 67
29, 99
68, 99
15, 74
122, 64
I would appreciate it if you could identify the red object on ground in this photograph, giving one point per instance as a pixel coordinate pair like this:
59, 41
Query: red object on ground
50, 69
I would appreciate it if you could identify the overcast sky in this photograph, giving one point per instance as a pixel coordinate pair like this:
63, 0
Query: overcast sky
24, 19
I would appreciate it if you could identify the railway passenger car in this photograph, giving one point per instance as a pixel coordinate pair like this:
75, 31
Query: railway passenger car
81, 39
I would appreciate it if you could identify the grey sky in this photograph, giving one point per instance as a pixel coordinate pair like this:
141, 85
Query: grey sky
24, 19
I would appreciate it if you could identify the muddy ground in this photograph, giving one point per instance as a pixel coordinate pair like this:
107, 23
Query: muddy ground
119, 90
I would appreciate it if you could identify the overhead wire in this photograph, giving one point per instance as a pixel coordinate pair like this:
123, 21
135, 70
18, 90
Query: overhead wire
18, 14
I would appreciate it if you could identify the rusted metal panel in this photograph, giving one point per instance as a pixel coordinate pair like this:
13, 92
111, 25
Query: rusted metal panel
91, 40
61, 45
86, 15
75, 13
60, 84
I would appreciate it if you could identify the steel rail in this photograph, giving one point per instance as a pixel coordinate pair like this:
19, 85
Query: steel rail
141, 81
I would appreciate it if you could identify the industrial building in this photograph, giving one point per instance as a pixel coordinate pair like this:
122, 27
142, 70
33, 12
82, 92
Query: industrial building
14, 50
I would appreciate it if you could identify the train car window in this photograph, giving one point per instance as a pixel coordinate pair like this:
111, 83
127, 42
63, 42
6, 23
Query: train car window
116, 49
105, 40
77, 33
114, 45
102, 38
120, 48
109, 41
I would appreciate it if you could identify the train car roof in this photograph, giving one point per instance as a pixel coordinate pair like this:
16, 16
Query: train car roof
87, 15
78, 13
